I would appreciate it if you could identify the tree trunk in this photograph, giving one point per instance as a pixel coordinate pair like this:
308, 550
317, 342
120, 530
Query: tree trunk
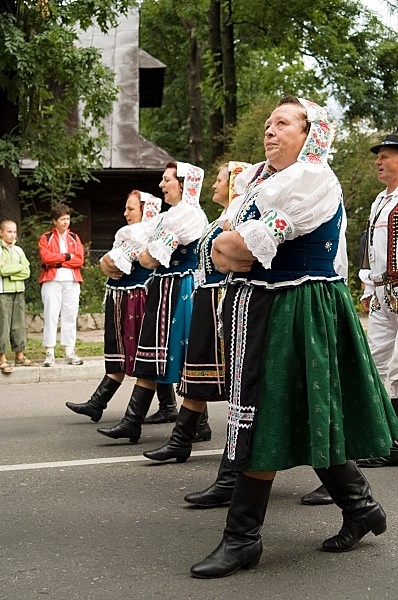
9, 186
195, 98
216, 115
229, 70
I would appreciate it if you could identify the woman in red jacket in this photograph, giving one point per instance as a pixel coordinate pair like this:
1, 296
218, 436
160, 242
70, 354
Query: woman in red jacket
62, 255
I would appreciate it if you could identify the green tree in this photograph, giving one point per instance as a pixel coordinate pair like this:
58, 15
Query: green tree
325, 49
44, 77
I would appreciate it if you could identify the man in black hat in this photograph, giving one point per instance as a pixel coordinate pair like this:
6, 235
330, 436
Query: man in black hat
379, 275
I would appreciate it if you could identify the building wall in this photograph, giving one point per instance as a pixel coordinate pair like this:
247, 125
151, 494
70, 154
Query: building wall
120, 52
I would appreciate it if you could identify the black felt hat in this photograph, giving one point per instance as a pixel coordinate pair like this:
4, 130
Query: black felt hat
389, 140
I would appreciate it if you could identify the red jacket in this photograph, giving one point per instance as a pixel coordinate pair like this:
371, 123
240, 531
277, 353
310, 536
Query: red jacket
52, 258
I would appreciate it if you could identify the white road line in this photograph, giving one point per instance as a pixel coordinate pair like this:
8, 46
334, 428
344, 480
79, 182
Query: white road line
93, 461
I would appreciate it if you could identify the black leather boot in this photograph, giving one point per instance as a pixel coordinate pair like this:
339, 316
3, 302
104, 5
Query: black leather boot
98, 401
220, 492
318, 496
204, 432
383, 461
361, 514
167, 412
179, 445
241, 546
137, 408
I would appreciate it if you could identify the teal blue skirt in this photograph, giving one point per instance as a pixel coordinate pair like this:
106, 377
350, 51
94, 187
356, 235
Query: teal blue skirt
165, 327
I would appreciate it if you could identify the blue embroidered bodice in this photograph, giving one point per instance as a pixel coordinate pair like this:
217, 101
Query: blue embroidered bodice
137, 278
206, 265
305, 257
183, 260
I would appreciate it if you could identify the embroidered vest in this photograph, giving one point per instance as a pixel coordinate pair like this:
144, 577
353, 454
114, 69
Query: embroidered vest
183, 261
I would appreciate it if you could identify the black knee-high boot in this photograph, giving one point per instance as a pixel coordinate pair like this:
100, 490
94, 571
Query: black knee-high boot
98, 401
383, 461
167, 412
361, 513
241, 546
204, 432
130, 425
179, 445
220, 492
317, 497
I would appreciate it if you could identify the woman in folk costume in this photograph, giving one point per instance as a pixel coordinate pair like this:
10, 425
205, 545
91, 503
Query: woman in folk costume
172, 253
302, 386
203, 374
124, 303
220, 491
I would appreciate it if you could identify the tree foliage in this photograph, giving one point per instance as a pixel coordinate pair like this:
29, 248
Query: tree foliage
321, 50
44, 77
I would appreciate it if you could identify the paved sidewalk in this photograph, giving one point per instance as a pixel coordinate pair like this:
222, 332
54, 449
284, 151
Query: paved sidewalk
92, 368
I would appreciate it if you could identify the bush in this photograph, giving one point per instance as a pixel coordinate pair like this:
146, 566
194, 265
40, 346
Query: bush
93, 288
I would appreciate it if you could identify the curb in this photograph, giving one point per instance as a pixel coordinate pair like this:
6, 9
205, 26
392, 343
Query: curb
92, 368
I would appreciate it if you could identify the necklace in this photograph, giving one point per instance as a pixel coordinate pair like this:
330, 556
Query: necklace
382, 204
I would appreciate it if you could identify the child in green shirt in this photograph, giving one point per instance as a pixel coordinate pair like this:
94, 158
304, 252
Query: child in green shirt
14, 269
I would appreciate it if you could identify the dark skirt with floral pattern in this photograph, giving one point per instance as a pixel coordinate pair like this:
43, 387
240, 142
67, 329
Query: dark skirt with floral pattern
203, 374
305, 389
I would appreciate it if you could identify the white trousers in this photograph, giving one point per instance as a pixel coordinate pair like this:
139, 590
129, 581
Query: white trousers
383, 343
60, 299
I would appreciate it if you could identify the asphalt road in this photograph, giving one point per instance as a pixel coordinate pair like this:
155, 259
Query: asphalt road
87, 518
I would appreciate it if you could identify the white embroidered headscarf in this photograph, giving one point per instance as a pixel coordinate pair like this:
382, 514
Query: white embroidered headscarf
235, 167
152, 206
193, 179
320, 137
130, 240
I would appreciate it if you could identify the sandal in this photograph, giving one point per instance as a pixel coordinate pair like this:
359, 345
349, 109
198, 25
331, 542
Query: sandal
23, 362
5, 367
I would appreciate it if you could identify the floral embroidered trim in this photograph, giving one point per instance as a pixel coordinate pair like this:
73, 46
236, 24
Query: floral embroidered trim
320, 137
152, 206
238, 416
235, 167
167, 239
279, 227
128, 251
193, 179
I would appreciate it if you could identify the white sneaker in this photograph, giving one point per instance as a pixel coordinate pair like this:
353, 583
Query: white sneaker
73, 359
49, 361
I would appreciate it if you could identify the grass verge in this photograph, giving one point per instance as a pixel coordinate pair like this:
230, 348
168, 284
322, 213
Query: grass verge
35, 351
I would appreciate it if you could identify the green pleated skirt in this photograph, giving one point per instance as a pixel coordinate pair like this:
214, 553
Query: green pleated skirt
322, 401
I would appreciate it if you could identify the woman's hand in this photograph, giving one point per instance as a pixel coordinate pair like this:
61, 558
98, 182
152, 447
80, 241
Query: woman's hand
230, 253
226, 226
147, 261
109, 268
224, 264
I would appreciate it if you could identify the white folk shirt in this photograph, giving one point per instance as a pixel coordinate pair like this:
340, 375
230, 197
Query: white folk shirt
378, 240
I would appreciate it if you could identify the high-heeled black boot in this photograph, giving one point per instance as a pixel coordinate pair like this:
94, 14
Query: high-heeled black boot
241, 546
361, 514
383, 461
179, 445
204, 432
98, 401
130, 425
220, 492
317, 497
167, 412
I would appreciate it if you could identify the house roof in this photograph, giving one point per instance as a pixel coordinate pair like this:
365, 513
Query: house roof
121, 53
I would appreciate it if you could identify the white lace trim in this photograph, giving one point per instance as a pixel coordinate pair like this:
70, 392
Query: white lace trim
264, 236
